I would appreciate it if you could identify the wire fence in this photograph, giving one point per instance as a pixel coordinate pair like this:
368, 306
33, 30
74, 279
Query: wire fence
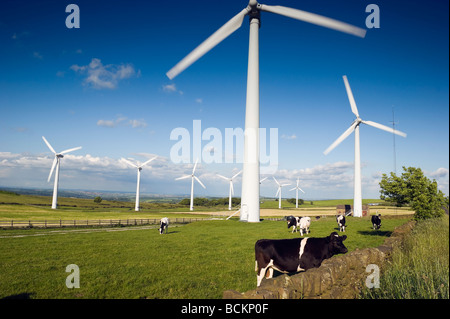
60, 223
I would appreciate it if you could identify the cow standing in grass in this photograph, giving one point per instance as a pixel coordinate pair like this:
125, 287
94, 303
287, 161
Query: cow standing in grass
340, 219
163, 225
302, 223
376, 221
294, 255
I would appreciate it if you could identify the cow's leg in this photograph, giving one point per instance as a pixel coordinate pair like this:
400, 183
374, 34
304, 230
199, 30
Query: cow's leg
262, 272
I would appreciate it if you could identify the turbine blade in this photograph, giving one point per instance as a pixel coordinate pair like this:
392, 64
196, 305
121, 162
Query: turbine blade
236, 175
263, 180
301, 190
341, 138
315, 19
225, 178
48, 144
385, 128
152, 159
293, 189
52, 169
196, 178
71, 150
129, 163
182, 177
282, 185
195, 166
228, 28
276, 180
350, 96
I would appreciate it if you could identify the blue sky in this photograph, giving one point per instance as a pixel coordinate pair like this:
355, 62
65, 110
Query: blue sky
103, 87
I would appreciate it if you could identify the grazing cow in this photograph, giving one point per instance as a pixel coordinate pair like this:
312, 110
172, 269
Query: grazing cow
302, 223
293, 221
376, 221
294, 255
341, 222
163, 225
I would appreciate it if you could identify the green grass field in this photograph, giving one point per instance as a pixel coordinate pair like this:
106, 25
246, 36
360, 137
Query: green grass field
198, 260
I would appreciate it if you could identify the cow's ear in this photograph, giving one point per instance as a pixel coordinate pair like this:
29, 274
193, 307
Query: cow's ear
344, 237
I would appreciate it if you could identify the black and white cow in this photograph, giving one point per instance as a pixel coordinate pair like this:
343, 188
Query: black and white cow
163, 225
376, 221
302, 223
340, 219
294, 255
294, 222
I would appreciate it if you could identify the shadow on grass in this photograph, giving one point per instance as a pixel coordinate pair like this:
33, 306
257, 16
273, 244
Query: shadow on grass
384, 233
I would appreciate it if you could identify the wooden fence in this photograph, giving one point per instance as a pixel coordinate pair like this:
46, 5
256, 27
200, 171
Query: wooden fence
90, 222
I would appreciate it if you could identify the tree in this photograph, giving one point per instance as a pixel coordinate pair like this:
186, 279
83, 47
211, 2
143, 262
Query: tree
97, 200
415, 189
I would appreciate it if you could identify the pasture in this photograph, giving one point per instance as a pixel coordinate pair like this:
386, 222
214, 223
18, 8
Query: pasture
197, 260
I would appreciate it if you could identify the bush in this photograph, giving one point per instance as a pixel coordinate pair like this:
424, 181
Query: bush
97, 200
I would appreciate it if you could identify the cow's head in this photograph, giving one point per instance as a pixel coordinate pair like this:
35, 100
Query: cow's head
290, 221
336, 243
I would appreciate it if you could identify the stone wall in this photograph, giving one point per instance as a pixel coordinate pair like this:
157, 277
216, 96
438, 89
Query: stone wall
339, 277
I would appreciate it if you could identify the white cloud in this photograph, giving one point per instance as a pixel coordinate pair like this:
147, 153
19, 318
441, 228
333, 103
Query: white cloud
120, 120
199, 100
99, 76
171, 88
37, 55
289, 137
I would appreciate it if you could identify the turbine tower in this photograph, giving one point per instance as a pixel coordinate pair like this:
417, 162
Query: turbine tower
279, 191
55, 165
250, 177
192, 183
139, 169
357, 197
297, 188
231, 186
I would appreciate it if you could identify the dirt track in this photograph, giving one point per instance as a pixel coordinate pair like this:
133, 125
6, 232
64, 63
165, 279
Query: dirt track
321, 211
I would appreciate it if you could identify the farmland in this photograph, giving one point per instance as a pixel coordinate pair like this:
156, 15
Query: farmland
196, 260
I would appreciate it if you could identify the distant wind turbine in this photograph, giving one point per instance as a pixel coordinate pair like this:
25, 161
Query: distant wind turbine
56, 163
231, 186
139, 169
279, 191
297, 188
250, 176
192, 183
357, 198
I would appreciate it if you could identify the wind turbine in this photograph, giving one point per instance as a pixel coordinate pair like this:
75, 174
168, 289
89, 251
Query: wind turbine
139, 169
231, 186
56, 163
279, 191
297, 188
357, 198
250, 176
192, 183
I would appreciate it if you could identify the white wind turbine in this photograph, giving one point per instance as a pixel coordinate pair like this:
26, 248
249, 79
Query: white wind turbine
297, 188
192, 183
250, 176
56, 163
279, 191
357, 197
139, 169
231, 186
